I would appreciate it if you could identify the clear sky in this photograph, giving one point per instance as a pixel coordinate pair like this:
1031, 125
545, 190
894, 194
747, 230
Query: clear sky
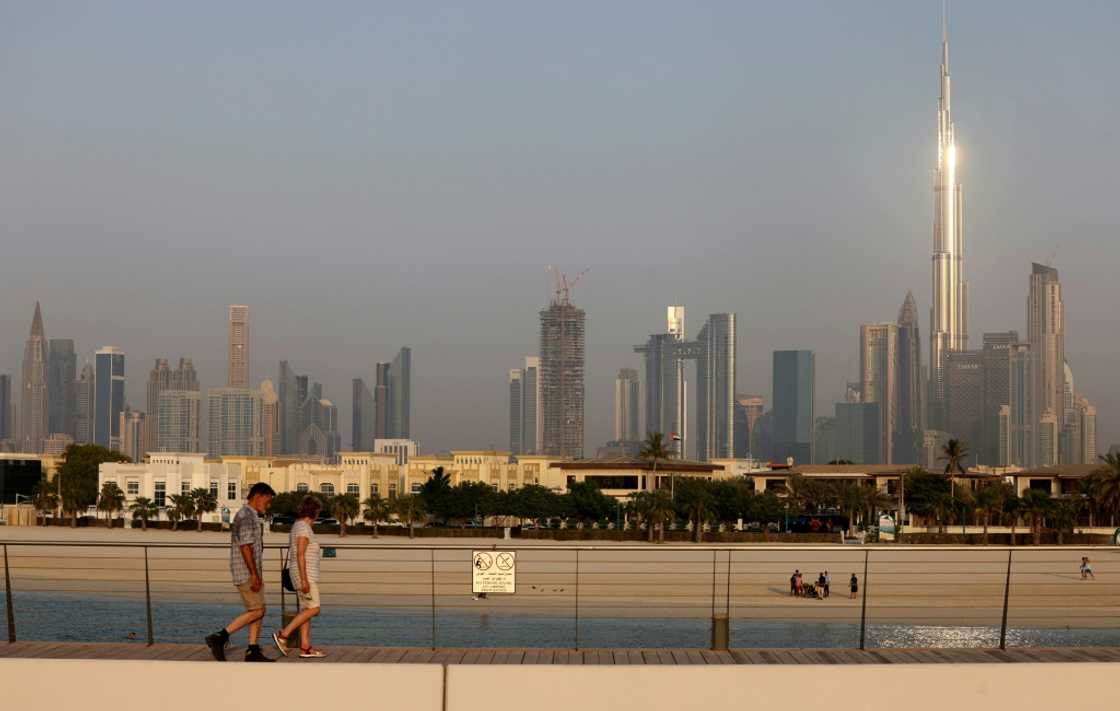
370, 175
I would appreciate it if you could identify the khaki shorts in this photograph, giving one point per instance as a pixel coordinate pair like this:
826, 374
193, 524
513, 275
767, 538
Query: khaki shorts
309, 600
252, 600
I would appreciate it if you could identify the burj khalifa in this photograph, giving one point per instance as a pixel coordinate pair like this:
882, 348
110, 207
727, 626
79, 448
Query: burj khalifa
949, 313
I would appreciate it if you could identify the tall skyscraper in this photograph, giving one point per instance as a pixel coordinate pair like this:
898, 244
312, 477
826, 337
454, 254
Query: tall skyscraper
108, 397
133, 436
1087, 430
561, 382
997, 384
238, 346
825, 436
34, 396
748, 410
235, 422
1046, 334
715, 388
532, 426
910, 413
964, 400
516, 415
289, 397
84, 415
626, 409
5, 407
858, 438
878, 360
178, 420
400, 395
1022, 449
161, 379
363, 417
62, 375
949, 313
270, 420
381, 402
794, 387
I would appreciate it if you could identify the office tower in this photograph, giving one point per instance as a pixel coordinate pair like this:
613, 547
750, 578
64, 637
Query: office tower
62, 373
997, 383
400, 394
858, 436
381, 402
162, 378
824, 439
1022, 448
964, 399
5, 407
1046, 334
878, 361
238, 347
1047, 434
178, 421
34, 394
83, 415
363, 416
133, 437
626, 428
1087, 430
748, 410
288, 395
159, 380
949, 313
319, 435
235, 422
532, 425
715, 388
108, 397
1003, 436
516, 416
561, 376
663, 372
270, 419
794, 387
909, 417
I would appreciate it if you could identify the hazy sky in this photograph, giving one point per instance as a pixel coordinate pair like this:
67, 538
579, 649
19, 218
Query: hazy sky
370, 175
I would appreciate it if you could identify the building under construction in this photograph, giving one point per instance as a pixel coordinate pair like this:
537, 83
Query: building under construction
561, 374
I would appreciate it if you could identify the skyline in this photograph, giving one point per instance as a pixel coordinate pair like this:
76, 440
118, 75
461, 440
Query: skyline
488, 324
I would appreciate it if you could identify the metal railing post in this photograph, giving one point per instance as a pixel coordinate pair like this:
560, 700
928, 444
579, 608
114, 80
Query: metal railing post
432, 551
863, 604
148, 599
1006, 596
11, 613
577, 599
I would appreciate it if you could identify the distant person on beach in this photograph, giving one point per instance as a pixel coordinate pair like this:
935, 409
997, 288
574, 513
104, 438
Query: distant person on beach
820, 586
827, 583
853, 585
800, 584
793, 583
304, 555
246, 556
1087, 569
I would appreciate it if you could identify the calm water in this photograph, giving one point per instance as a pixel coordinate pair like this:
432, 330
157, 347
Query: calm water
67, 617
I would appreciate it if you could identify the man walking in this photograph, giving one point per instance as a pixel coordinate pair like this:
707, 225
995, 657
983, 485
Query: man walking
245, 564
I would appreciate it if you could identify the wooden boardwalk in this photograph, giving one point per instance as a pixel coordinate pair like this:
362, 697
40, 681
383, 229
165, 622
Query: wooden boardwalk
670, 657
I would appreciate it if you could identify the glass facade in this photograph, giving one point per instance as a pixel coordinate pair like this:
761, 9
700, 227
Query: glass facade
794, 389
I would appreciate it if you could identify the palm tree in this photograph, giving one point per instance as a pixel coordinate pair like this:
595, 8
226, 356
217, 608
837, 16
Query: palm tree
989, 500
1036, 504
1104, 485
851, 499
410, 508
110, 500
45, 499
655, 508
345, 508
1012, 505
143, 510
183, 506
1063, 515
653, 449
875, 501
954, 454
204, 503
377, 510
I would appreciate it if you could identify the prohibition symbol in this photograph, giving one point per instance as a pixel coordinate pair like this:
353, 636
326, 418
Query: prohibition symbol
504, 561
494, 572
483, 561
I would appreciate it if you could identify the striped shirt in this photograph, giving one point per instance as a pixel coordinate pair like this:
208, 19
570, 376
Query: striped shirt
302, 529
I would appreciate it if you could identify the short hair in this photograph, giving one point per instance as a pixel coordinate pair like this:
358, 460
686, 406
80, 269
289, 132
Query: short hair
261, 489
309, 507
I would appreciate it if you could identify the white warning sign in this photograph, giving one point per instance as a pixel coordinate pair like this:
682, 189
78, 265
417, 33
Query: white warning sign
494, 571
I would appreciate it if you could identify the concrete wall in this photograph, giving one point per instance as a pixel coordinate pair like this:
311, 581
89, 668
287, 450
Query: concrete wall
48, 685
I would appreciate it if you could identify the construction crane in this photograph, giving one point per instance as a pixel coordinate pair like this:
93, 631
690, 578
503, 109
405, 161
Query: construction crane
561, 287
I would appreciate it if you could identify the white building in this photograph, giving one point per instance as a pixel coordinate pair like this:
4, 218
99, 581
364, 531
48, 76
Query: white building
168, 473
402, 449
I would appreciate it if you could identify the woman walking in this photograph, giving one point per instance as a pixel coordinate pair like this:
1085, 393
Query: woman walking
303, 567
853, 586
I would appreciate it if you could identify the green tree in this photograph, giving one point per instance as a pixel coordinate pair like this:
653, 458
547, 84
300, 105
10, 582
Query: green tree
286, 503
695, 500
874, 501
345, 508
852, 501
1012, 506
143, 510
534, 502
654, 508
655, 449
928, 495
585, 503
45, 499
1103, 485
734, 500
437, 494
204, 503
184, 507
410, 508
377, 510
989, 501
955, 454
110, 500
1063, 516
78, 472
1036, 504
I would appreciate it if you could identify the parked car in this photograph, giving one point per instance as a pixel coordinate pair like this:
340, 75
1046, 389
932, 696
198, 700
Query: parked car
283, 519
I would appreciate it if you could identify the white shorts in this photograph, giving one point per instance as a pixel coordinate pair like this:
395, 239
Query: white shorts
310, 599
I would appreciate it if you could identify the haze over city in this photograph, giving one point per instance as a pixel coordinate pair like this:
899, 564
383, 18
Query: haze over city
366, 178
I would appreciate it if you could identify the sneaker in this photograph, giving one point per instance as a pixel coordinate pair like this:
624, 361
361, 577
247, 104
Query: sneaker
281, 643
254, 654
217, 645
312, 653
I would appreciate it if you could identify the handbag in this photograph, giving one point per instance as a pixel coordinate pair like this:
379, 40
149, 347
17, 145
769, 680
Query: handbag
286, 578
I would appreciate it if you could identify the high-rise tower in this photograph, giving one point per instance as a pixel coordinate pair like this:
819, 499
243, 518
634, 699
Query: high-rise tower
62, 375
34, 399
561, 374
1046, 334
949, 313
108, 397
908, 434
626, 428
238, 346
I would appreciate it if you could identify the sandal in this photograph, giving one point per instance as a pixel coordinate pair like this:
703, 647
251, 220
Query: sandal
311, 653
281, 643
